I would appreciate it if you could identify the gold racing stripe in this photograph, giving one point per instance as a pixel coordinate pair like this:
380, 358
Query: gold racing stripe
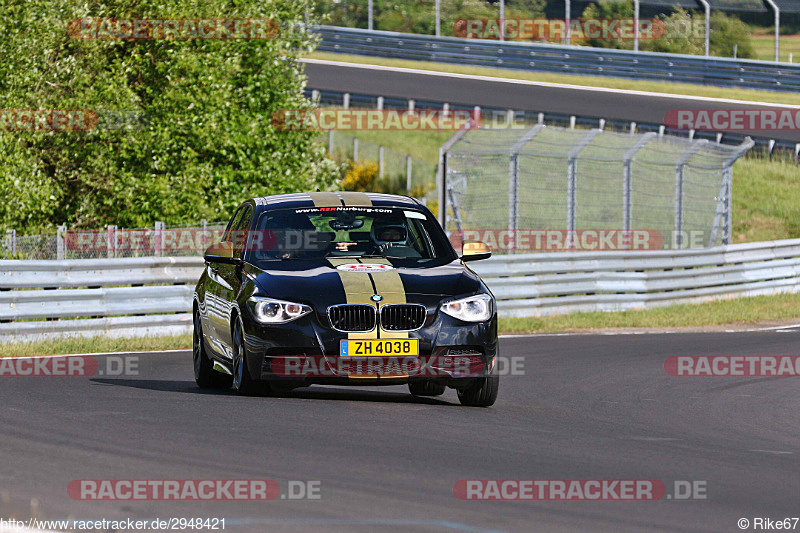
355, 199
358, 290
325, 199
388, 284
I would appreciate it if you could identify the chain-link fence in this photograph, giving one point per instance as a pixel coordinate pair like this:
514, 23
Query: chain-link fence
554, 189
113, 242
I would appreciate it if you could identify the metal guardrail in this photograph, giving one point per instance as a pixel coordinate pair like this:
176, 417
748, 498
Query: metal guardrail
554, 283
583, 60
524, 285
92, 297
762, 145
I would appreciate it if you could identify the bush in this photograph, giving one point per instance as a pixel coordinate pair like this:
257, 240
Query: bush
418, 16
725, 32
206, 142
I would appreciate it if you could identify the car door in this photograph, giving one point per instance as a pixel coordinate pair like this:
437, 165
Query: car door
215, 305
230, 277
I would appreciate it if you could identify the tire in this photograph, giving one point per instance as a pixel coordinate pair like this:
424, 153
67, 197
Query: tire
426, 388
204, 374
482, 392
243, 384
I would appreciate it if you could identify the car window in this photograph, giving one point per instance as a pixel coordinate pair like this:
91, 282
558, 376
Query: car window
240, 235
405, 237
232, 224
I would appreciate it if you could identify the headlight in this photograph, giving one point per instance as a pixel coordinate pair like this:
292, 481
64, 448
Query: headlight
476, 308
269, 311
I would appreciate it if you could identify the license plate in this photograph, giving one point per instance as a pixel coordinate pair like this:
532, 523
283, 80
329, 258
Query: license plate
366, 348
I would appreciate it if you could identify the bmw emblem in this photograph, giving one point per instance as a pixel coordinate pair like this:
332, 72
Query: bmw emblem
377, 297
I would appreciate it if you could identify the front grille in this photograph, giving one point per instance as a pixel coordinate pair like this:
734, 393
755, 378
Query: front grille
352, 317
402, 317
463, 351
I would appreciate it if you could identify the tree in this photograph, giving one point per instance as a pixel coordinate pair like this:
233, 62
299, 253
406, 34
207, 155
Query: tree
685, 34
618, 9
196, 137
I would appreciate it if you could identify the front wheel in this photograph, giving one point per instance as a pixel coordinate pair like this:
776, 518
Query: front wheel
482, 392
243, 384
426, 388
204, 373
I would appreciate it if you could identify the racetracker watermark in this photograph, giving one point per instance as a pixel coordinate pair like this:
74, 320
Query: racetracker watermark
191, 490
69, 366
393, 120
176, 29
553, 29
733, 365
556, 240
733, 119
577, 489
433, 366
64, 120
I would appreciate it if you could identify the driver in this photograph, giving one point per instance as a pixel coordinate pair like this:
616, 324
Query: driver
388, 233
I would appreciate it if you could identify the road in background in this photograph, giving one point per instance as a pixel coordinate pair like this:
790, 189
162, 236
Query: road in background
588, 406
611, 104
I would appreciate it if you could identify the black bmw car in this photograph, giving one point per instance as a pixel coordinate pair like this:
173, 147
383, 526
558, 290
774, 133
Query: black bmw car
343, 288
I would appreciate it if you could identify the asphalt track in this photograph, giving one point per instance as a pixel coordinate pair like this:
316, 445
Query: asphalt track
586, 407
510, 94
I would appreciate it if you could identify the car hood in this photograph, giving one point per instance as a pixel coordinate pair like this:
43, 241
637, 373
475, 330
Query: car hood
323, 284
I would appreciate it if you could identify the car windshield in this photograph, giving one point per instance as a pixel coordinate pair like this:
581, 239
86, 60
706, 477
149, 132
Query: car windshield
404, 237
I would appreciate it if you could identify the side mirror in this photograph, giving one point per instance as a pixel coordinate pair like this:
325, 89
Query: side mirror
475, 251
220, 252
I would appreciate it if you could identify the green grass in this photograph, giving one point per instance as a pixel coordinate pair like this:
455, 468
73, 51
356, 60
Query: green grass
766, 200
766, 194
736, 311
588, 81
422, 145
764, 45
96, 345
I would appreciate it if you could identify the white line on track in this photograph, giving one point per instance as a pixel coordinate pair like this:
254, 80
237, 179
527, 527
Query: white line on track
148, 352
565, 86
775, 329
773, 452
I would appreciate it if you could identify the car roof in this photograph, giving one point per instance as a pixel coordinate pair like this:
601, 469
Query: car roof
336, 199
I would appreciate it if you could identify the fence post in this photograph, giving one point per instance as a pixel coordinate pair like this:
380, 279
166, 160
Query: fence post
11, 240
380, 161
60, 248
379, 105
158, 243
330, 142
346, 101
513, 184
408, 174
355, 149
111, 243
572, 177
682, 160
726, 232
724, 206
627, 191
441, 174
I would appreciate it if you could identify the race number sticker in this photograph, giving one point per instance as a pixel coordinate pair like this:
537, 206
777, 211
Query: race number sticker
362, 267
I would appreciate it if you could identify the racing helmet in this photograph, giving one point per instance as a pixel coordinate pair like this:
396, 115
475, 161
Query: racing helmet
389, 232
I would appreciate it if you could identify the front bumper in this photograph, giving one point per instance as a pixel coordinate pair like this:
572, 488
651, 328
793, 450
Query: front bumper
306, 351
